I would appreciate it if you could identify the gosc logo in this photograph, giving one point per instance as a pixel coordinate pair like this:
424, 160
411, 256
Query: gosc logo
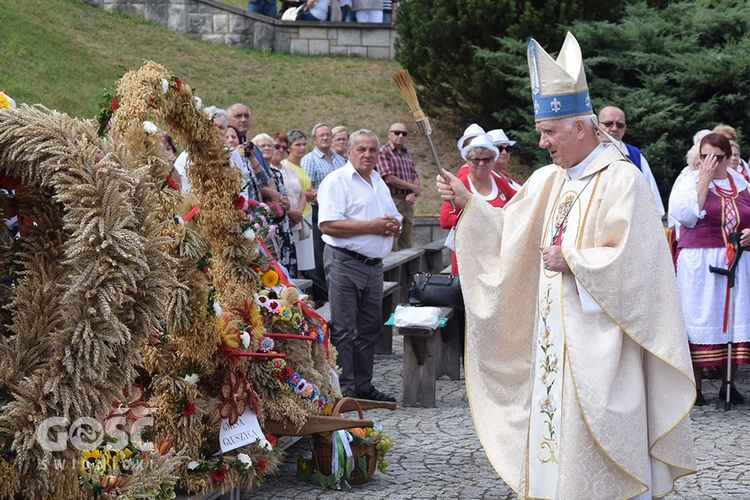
87, 433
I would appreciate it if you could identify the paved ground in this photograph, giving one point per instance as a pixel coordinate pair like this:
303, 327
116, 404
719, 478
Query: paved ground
436, 453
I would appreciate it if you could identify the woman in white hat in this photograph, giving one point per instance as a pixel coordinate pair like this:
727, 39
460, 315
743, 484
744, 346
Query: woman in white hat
501, 142
480, 156
504, 146
471, 132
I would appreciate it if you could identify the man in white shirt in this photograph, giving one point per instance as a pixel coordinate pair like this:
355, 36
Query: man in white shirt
612, 119
358, 220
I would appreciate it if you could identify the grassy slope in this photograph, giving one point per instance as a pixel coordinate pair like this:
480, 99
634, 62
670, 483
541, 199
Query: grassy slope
63, 53
240, 4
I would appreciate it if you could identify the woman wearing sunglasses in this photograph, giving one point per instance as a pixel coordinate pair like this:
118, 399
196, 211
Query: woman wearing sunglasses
480, 156
505, 146
710, 203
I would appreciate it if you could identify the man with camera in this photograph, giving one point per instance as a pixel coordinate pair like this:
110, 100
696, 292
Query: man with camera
239, 118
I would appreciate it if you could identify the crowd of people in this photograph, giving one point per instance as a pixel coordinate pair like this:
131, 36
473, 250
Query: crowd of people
610, 298
278, 168
337, 218
358, 11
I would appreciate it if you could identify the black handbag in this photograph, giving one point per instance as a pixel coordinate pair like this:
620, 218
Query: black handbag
439, 290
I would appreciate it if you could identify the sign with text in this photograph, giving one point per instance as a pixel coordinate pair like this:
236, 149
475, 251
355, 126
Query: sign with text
245, 431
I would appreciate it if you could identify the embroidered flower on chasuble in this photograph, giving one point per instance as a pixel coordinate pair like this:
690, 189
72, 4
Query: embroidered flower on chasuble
547, 376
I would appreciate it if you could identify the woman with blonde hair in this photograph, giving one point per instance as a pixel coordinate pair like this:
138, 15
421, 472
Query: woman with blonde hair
340, 142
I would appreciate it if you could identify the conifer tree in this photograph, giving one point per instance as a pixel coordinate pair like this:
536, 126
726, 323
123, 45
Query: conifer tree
673, 70
438, 41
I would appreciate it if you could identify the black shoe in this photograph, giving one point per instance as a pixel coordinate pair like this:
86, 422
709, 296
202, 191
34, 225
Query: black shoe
711, 373
734, 396
699, 399
349, 393
375, 395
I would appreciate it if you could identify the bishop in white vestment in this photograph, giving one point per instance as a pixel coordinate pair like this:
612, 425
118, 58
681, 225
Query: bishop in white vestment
577, 364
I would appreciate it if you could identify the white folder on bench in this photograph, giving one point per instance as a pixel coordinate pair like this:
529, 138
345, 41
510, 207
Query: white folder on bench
416, 317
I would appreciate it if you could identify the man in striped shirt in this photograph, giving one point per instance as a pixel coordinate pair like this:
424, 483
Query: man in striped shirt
396, 168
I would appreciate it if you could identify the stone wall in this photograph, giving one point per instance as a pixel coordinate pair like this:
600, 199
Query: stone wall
220, 23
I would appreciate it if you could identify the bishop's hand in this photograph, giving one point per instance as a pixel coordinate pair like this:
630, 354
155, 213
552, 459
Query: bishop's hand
553, 259
451, 188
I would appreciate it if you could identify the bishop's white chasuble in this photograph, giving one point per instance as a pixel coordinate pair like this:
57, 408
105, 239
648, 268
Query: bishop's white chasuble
567, 403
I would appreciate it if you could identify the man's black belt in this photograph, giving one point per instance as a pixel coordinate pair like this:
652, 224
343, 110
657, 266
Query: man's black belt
370, 261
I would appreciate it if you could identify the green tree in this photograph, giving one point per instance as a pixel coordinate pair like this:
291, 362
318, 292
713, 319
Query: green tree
674, 71
438, 42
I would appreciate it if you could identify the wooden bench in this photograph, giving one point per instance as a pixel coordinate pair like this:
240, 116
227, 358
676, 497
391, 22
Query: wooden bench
388, 306
397, 268
428, 355
434, 256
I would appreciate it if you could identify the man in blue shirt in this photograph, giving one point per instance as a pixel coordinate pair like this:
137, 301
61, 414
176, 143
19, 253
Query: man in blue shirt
318, 163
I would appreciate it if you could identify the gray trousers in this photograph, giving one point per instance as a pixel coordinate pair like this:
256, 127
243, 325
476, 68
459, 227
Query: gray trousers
355, 293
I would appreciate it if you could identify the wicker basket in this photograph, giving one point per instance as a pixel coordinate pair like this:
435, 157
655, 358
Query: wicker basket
322, 449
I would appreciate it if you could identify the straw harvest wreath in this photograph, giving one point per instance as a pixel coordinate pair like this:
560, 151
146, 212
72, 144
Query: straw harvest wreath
135, 319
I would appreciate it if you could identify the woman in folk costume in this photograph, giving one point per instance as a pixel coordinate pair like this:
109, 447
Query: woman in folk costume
577, 366
709, 203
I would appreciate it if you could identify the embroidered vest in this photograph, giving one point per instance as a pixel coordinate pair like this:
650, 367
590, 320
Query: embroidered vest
708, 232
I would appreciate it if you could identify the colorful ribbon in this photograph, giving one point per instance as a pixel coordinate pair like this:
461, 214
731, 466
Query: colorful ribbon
341, 455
